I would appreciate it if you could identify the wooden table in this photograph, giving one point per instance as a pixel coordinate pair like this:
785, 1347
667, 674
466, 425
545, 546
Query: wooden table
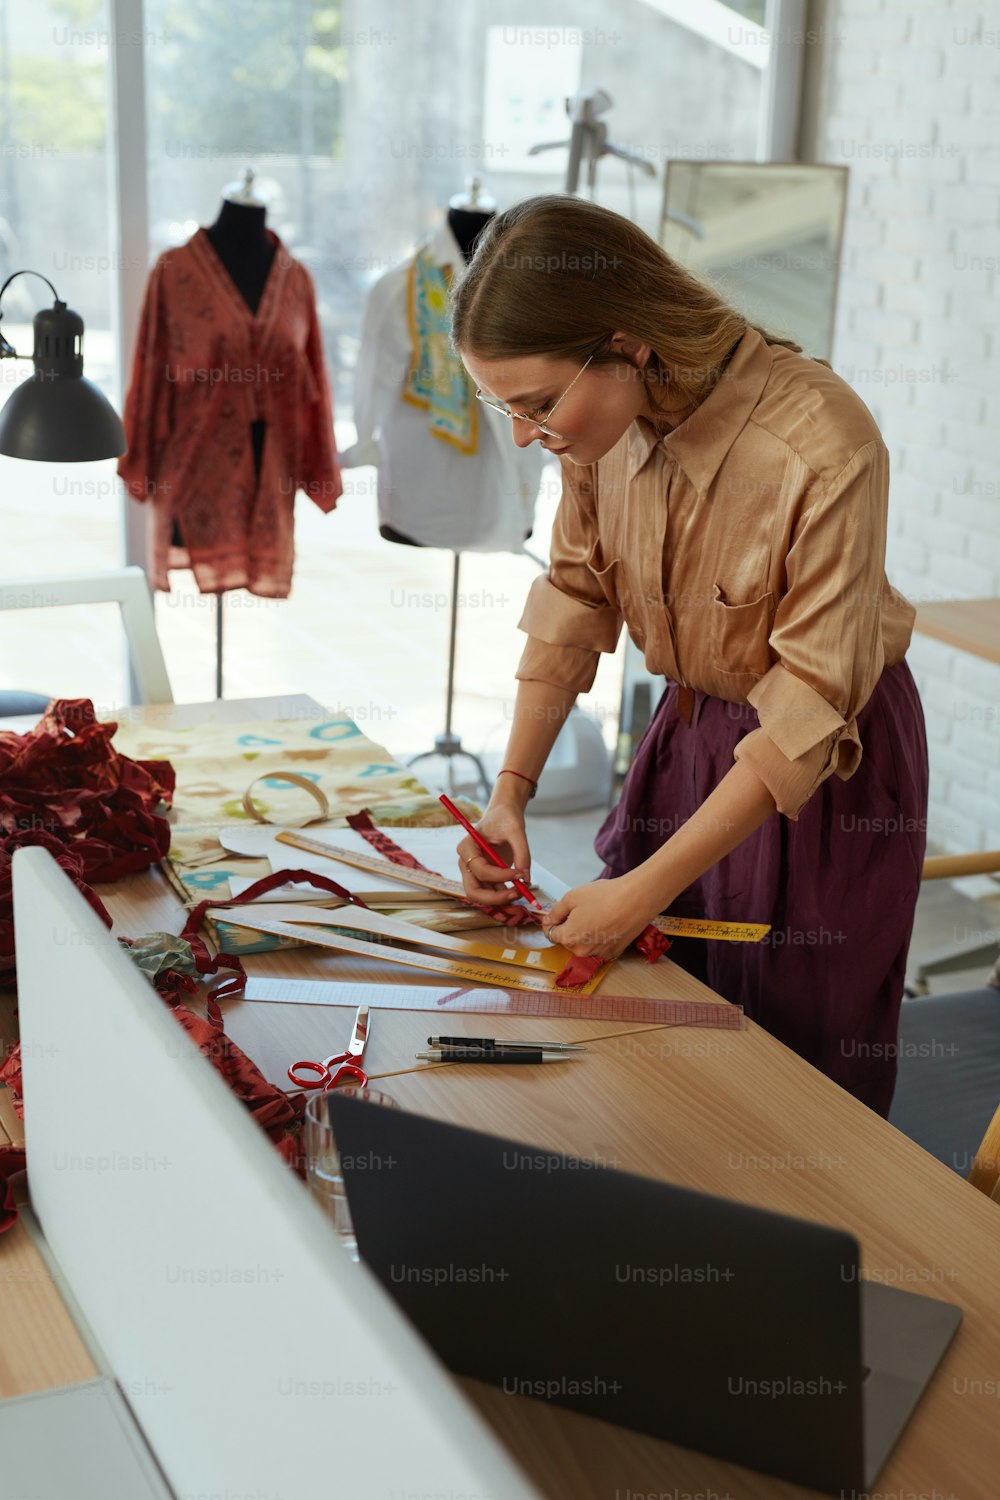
972, 625
730, 1113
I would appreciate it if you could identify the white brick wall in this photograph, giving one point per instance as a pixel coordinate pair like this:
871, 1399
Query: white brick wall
910, 102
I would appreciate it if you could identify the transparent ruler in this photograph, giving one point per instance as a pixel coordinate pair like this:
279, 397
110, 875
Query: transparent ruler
505, 1002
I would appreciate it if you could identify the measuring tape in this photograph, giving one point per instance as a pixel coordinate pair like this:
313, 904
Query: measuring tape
718, 1015
699, 927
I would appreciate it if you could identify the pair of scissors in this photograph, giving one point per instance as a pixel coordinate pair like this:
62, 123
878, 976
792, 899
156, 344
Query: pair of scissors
321, 1075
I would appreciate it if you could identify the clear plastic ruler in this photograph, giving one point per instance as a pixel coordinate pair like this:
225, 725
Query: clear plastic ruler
717, 1014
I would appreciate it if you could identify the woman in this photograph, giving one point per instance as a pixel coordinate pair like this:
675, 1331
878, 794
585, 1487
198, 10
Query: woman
725, 496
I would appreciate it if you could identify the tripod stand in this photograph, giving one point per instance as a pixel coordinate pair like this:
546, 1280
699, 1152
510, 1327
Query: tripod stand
449, 745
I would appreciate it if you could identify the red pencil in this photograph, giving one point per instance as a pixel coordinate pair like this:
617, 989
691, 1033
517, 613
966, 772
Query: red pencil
489, 850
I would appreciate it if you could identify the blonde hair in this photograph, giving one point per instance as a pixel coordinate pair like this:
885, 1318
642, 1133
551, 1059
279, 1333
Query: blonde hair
557, 275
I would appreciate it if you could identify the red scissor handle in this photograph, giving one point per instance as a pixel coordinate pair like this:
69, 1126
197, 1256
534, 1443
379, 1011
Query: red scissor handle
319, 1071
321, 1077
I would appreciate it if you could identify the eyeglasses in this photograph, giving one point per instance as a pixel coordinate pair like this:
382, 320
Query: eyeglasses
517, 416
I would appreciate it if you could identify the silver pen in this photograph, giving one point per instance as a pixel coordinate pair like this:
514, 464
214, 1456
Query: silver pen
488, 1043
494, 1055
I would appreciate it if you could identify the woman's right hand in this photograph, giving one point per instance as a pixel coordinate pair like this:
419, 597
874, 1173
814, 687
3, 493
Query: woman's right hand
484, 882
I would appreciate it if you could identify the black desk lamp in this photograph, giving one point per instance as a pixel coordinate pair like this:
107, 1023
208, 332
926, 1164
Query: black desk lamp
57, 416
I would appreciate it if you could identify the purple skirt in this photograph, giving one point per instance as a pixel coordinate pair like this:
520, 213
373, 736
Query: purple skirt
838, 886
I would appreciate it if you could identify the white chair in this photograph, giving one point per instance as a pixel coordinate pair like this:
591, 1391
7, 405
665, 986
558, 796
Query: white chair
126, 587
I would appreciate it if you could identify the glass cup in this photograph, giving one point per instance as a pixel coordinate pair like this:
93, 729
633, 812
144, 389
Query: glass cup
323, 1169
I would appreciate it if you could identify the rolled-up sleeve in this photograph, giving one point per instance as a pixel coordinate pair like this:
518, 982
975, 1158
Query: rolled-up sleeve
826, 635
568, 617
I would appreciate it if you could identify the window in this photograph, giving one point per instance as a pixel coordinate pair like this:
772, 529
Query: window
54, 218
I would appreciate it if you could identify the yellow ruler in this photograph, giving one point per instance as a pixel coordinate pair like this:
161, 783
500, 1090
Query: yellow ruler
549, 958
483, 972
703, 927
699, 927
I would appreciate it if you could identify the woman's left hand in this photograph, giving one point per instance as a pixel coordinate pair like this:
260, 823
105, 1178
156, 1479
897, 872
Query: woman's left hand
602, 918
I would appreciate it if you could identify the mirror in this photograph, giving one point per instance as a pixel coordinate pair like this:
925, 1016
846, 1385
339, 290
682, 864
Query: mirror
766, 235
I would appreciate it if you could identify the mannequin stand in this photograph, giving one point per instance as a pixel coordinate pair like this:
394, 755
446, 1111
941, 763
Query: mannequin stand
218, 645
448, 745
468, 214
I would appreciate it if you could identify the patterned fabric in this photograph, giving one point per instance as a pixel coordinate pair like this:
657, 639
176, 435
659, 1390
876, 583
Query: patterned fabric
437, 380
205, 368
214, 764
431, 491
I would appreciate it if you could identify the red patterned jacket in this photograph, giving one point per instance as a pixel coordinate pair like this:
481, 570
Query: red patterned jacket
205, 367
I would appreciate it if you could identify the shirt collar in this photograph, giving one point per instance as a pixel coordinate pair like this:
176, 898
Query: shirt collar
700, 442
445, 250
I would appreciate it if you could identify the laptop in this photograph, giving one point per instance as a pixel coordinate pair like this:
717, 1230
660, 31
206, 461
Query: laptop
731, 1329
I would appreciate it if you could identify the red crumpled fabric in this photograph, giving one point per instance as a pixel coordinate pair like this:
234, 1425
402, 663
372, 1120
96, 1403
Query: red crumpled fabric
65, 856
11, 1157
11, 1161
651, 942
63, 785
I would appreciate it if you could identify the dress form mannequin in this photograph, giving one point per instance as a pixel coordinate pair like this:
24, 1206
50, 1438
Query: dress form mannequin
239, 238
466, 223
240, 241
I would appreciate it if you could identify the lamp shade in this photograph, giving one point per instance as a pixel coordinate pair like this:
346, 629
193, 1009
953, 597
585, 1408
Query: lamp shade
60, 421
57, 416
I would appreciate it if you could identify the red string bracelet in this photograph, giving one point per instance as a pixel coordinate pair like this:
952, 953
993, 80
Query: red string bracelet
533, 784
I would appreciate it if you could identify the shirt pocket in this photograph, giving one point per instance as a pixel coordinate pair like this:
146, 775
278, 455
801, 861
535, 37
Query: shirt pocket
610, 578
738, 634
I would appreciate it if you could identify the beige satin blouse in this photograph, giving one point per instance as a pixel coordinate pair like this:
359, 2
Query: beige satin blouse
745, 553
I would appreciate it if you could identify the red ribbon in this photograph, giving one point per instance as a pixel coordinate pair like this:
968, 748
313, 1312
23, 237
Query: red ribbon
209, 965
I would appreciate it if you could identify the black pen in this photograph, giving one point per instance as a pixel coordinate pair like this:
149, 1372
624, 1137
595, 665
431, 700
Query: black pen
489, 1043
494, 1055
